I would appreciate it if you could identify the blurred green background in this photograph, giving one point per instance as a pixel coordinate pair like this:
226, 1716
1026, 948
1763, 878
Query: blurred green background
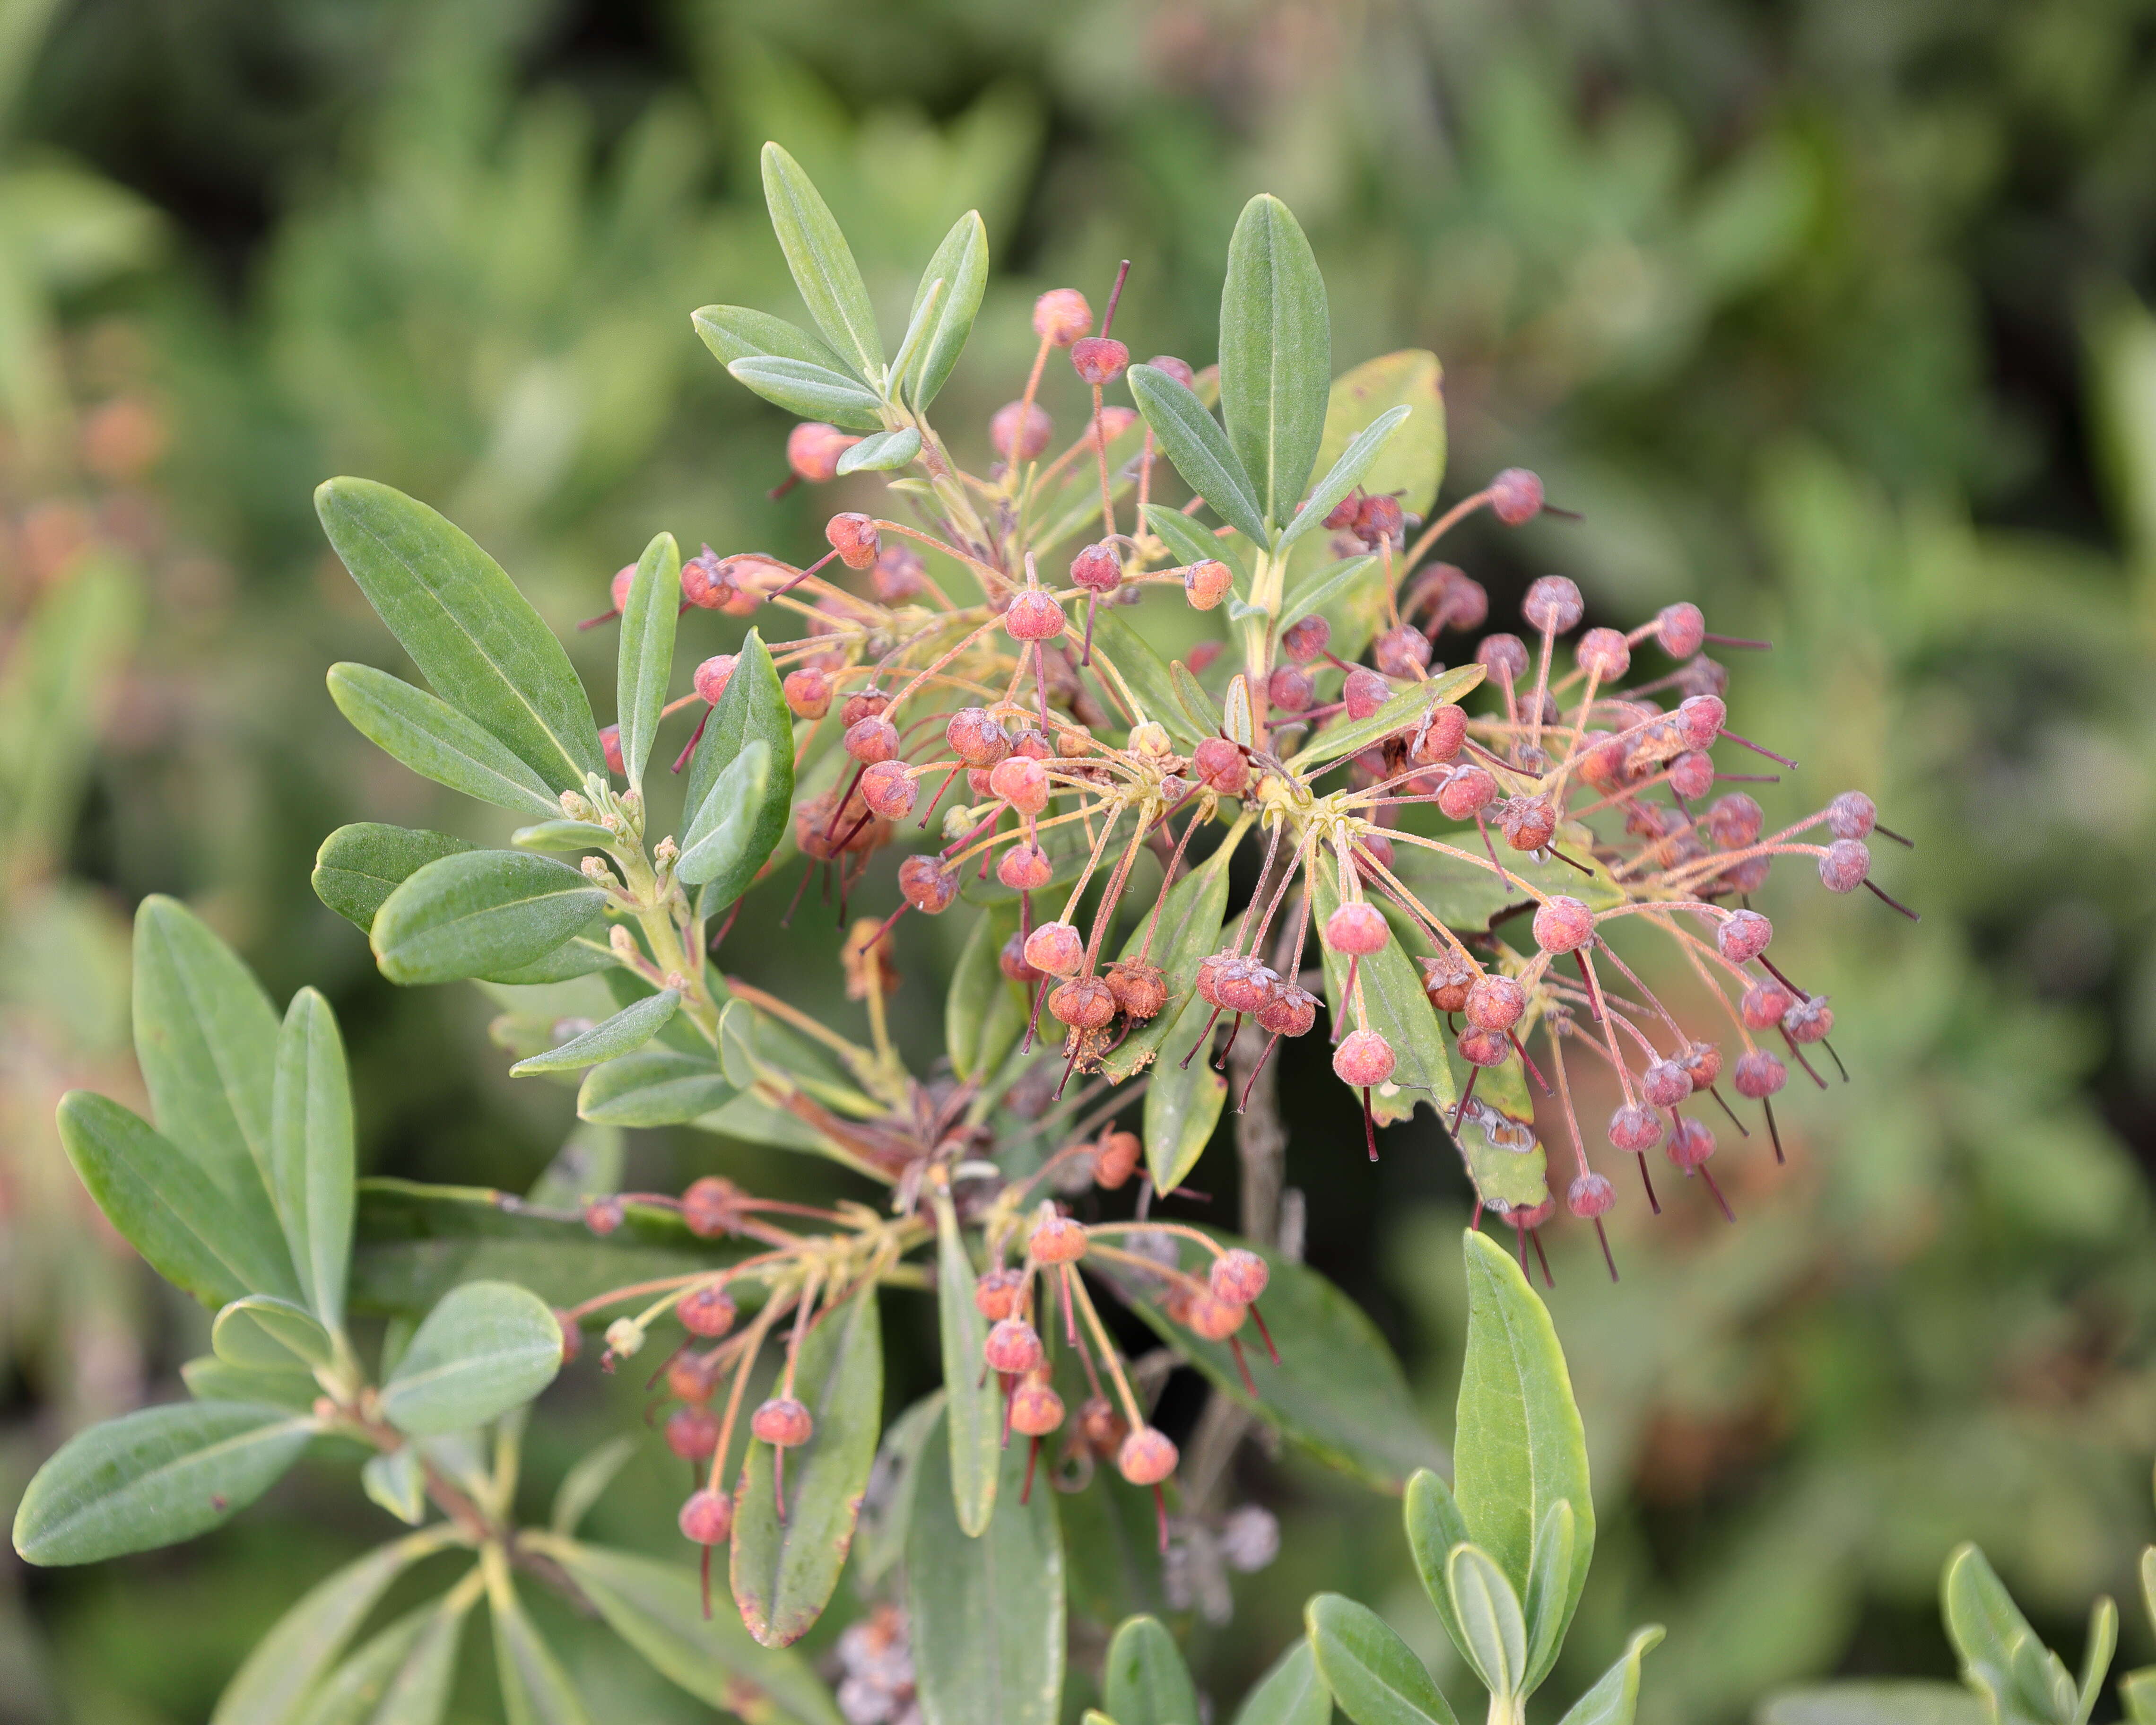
1830, 314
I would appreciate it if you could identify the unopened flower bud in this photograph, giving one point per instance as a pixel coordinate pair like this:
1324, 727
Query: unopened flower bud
1357, 928
1179, 369
1020, 430
1061, 316
1759, 1074
1097, 568
807, 694
1146, 1457
1554, 607
1205, 584
1239, 1275
1022, 781
610, 747
1495, 1003
1506, 655
1084, 1002
1680, 629
1743, 936
1035, 615
624, 1337
1843, 866
1604, 654
1117, 1160
707, 1311
1589, 1196
1635, 1130
1364, 692
1564, 925
853, 536
1852, 816
707, 1519
1289, 689
1666, 1084
1401, 652
1055, 949
1516, 496
1465, 793
692, 1433
1012, 1346
812, 451
1099, 359
1363, 1059
898, 574
783, 1423
1035, 1409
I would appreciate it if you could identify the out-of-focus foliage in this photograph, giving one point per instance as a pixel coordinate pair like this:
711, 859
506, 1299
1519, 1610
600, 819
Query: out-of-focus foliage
1831, 317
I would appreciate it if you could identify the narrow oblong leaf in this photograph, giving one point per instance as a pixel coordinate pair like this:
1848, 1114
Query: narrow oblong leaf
785, 1571
1188, 542
417, 1691
752, 709
646, 659
972, 1423
473, 635
1182, 1106
1518, 1444
1372, 1674
1188, 929
1493, 1631
1143, 672
988, 1613
565, 835
306, 1641
311, 1140
881, 452
535, 1689
656, 1609
821, 262
1914, 1702
720, 841
586, 1482
654, 1087
734, 332
211, 1379
1615, 1698
480, 913
1549, 1572
166, 1207
2095, 1657
983, 1010
809, 392
427, 734
154, 1477
1275, 353
260, 1334
487, 1347
1144, 1680
631, 1028
961, 263
887, 1511
1435, 1526
1324, 587
350, 1694
1355, 460
1413, 462
1192, 438
1291, 1694
360, 865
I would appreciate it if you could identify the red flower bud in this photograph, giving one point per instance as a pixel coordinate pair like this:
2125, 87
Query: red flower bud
1055, 949
783, 1423
610, 747
1097, 568
1589, 1196
1099, 359
1024, 868
1035, 615
1516, 496
1363, 1059
707, 1311
1554, 607
1022, 781
708, 1518
1358, 928
1012, 1346
995, 1295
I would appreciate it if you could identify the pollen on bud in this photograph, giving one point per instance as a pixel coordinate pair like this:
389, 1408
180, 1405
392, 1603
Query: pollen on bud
692, 1433
1479, 1047
813, 450
706, 1311
1035, 1409
1743, 936
927, 884
1666, 1084
1441, 739
1564, 925
1506, 655
1205, 584
1012, 1346
854, 537
1097, 569
1239, 1275
1364, 692
1759, 1074
1147, 1456
1084, 1002
1589, 1196
1220, 766
1022, 781
1604, 654
1843, 866
1852, 816
807, 693
1690, 1142
1495, 1003
871, 740
1020, 430
610, 747
1358, 928
1117, 1160
1056, 1239
708, 1518
1680, 630
1099, 359
1061, 316
1401, 652
1469, 791
1553, 606
1363, 1059
995, 1295
1034, 616
1634, 1129
1516, 496
1055, 949
783, 1423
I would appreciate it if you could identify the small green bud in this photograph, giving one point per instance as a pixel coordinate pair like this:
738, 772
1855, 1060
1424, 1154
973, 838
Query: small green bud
624, 1336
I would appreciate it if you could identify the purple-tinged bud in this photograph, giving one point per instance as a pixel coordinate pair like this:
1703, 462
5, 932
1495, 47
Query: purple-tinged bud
1843, 866
1505, 656
610, 747
871, 740
807, 693
1304, 640
899, 575
1401, 652
1289, 1011
1528, 823
783, 1423
1061, 316
1099, 359
1679, 630
1691, 1143
1691, 774
1759, 1074
977, 739
1097, 568
1564, 925
1666, 1084
1635, 1130
1020, 442
1015, 965
1377, 519
1852, 816
1604, 654
1743, 936
1516, 496
1365, 692
1554, 607
1589, 1196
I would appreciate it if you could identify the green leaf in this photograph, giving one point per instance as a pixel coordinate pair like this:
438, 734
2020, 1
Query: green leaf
1189, 928
535, 1689
581, 956
1144, 1680
1615, 1699
1204, 711
586, 1482
1338, 741
720, 840
1413, 463
1879, 1703
1434, 1526
654, 1086
734, 332
167, 1208
972, 1423
311, 1144
1347, 472
395, 1482
1518, 1446
304, 1642
1291, 1694
646, 661
260, 1334
809, 392
564, 835
1275, 354
784, 1572
887, 1511
631, 1028
435, 741
473, 635
1143, 670
1191, 438
753, 709
988, 1613
352, 1692
822, 263
211, 1379
1326, 585
486, 1347
206, 1039
480, 913
656, 1609
1549, 1573
2000, 1654
360, 865
961, 263
1338, 1390
2095, 1657
1188, 542
417, 1691
1493, 1632
1373, 1676
983, 1010
2137, 1696
881, 452
1399, 1009
1182, 1106
154, 1477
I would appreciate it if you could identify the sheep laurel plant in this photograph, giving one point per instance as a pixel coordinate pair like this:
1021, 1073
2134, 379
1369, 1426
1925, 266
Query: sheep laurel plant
988, 665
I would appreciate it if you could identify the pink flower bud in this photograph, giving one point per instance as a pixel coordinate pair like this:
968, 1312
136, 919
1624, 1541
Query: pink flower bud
1505, 656
1017, 442
1528, 823
1176, 368
1516, 496
1666, 1084
1099, 359
812, 451
1033, 616
1700, 720
1363, 1059
707, 1518
1364, 692
1056, 1239
1842, 866
853, 536
1691, 774
1206, 584
1289, 1011
1763, 1005
927, 884
1288, 690
1013, 964
1743, 936
692, 1433
1022, 781
1484, 1048
1147, 1456
1468, 791
1012, 1346
783, 1423
1035, 1409
610, 747
807, 693
871, 740
1462, 603
1237, 1276
1055, 949
1495, 1003
1634, 1129
617, 589
1604, 654
1589, 1196
710, 677
1554, 607
1759, 1074
886, 788
995, 1295
1680, 630
1245, 985
1852, 816
1061, 316
1220, 766
1377, 519
1024, 868
1691, 1143
1734, 821
1809, 1020
1358, 928
1097, 568
1401, 652
707, 1311
1441, 739
1564, 925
